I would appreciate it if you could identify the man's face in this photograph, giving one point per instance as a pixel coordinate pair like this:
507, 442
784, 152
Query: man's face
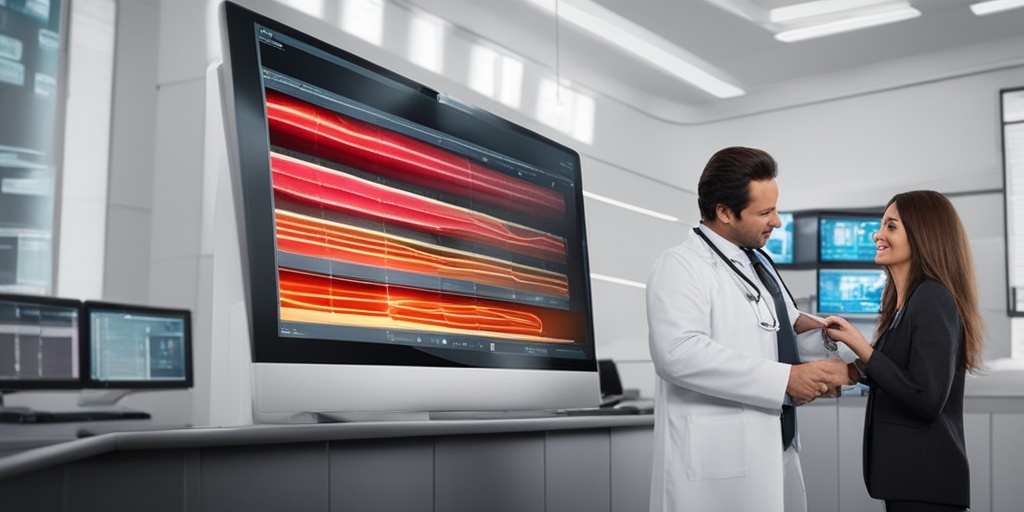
757, 220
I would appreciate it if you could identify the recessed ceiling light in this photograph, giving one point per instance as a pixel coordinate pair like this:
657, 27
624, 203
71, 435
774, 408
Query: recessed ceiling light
817, 18
848, 24
631, 207
617, 280
994, 6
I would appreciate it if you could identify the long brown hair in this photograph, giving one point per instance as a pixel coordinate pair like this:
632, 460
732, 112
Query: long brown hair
939, 250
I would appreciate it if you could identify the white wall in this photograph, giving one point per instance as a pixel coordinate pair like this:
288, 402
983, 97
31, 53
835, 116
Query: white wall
850, 152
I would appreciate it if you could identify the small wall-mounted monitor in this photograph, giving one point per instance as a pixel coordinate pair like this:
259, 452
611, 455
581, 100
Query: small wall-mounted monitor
780, 245
132, 347
847, 238
850, 292
39, 342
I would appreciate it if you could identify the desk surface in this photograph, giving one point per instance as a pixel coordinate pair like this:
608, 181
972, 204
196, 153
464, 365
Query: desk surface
38, 447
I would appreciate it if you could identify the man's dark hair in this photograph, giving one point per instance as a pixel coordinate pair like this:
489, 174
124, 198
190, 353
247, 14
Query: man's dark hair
727, 176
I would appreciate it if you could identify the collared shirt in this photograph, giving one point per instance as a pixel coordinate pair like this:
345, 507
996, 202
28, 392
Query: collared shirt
739, 259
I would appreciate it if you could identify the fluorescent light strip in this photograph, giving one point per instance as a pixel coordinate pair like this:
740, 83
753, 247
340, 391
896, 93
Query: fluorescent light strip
638, 209
847, 25
617, 280
994, 6
804, 11
617, 30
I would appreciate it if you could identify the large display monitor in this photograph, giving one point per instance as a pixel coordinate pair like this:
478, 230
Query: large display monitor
404, 253
137, 347
847, 238
854, 292
40, 339
780, 245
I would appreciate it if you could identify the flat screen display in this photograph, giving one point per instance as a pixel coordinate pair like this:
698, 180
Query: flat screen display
850, 291
137, 346
780, 244
847, 238
39, 342
388, 224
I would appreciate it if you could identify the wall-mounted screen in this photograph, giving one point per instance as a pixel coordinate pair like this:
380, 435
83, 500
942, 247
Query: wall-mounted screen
780, 244
847, 238
33, 54
39, 342
134, 347
854, 292
399, 243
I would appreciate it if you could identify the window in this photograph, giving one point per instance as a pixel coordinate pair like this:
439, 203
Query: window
1013, 185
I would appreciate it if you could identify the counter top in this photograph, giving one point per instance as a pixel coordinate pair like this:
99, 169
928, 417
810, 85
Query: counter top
99, 438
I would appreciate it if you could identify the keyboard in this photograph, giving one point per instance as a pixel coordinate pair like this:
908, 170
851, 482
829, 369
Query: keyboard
25, 415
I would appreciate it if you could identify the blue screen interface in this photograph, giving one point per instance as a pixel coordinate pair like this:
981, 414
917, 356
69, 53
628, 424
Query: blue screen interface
850, 291
780, 245
847, 239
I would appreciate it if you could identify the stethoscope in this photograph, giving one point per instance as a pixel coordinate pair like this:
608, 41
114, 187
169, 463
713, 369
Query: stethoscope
755, 296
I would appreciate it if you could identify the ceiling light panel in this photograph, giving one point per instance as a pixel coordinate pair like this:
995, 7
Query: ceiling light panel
639, 41
994, 6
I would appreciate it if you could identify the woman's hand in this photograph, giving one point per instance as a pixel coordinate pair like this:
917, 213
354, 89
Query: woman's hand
842, 331
805, 322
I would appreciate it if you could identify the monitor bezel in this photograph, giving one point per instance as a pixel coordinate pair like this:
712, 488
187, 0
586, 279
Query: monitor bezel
258, 244
90, 306
7, 385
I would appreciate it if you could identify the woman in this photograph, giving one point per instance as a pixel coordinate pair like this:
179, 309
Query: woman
929, 334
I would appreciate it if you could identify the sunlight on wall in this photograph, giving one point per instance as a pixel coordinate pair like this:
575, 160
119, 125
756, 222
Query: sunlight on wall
495, 75
426, 42
311, 7
364, 19
511, 81
494, 72
565, 110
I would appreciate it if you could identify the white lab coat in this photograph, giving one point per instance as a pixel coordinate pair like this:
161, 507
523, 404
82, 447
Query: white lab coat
720, 387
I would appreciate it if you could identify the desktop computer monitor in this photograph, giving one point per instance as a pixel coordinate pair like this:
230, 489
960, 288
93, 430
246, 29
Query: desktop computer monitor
847, 238
850, 292
137, 347
39, 343
781, 244
412, 253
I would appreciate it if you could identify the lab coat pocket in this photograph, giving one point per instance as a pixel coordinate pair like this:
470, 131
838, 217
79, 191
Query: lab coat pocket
716, 447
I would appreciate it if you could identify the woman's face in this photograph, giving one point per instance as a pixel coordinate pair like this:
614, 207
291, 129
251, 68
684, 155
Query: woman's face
892, 248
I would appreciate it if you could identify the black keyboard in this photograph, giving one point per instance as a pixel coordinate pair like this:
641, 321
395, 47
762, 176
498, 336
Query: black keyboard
34, 416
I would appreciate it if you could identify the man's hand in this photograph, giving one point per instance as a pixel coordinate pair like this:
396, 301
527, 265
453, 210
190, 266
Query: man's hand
809, 380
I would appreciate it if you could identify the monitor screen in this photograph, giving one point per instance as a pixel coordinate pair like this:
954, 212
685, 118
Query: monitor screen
137, 346
847, 238
389, 225
780, 244
850, 291
39, 342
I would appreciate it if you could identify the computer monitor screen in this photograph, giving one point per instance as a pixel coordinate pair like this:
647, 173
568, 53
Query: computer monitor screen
391, 227
137, 346
850, 291
780, 244
39, 342
847, 238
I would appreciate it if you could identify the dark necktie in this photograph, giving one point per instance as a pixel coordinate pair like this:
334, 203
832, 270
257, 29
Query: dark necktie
785, 337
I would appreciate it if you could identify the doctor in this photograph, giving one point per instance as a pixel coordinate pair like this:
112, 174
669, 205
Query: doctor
724, 400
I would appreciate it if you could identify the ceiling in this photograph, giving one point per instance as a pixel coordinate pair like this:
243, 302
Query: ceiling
947, 40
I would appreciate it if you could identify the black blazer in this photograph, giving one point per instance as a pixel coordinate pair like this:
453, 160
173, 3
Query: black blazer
914, 422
